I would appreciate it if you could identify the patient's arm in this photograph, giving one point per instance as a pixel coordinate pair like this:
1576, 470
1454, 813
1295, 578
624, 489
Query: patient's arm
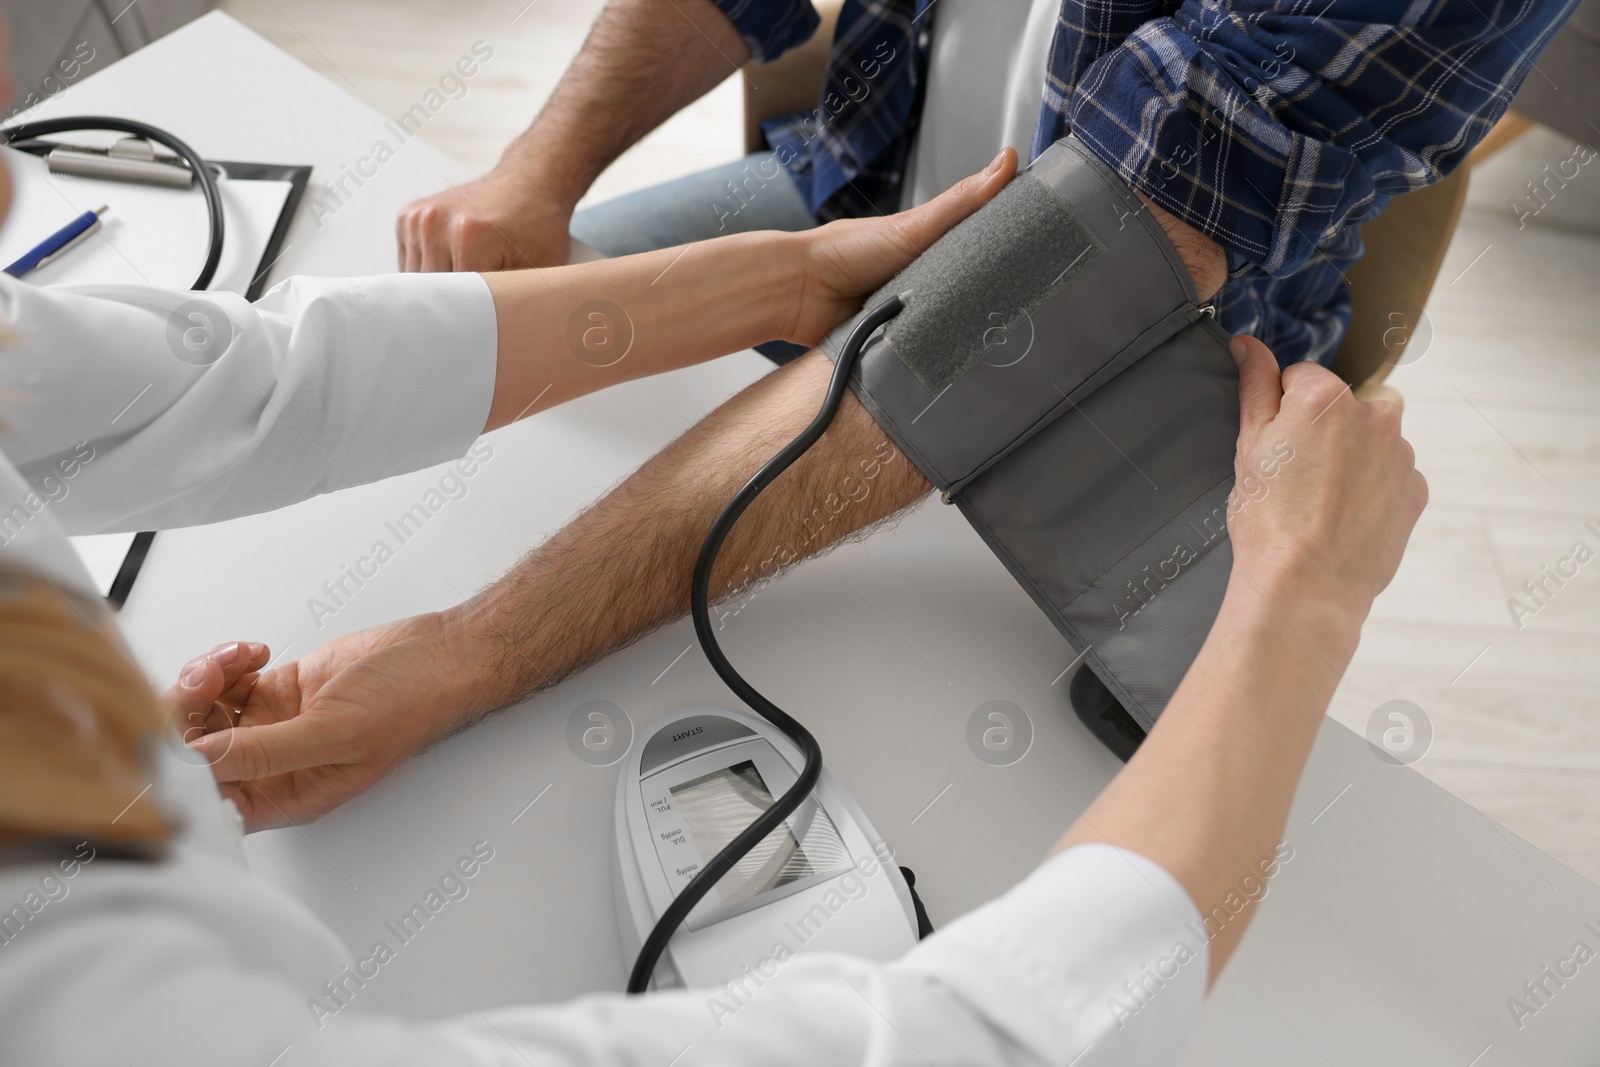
642, 62
327, 727
622, 568
330, 725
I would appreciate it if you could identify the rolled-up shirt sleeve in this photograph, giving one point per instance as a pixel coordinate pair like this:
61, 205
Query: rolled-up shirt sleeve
771, 27
134, 407
1270, 125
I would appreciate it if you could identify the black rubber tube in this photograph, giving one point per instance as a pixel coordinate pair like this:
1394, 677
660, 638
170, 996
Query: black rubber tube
700, 608
27, 131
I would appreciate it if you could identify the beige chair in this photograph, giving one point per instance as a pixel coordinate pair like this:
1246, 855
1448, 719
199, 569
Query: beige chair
1405, 248
1390, 285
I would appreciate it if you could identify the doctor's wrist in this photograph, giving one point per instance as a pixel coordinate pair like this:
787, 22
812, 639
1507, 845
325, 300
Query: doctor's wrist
761, 286
1296, 594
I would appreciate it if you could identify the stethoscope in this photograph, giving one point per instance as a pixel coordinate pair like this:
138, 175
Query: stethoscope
26, 137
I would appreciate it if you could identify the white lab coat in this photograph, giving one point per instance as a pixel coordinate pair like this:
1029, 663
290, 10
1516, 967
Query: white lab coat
1097, 959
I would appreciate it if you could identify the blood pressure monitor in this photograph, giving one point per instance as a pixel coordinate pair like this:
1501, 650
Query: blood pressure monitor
823, 879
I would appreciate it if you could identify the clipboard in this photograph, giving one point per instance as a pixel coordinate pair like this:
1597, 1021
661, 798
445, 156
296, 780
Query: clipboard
298, 178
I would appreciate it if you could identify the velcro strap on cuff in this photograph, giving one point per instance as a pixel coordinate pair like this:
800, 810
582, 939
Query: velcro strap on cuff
1017, 314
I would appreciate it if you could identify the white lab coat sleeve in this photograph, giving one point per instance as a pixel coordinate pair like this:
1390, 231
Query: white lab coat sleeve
1097, 959
199, 962
1100, 959
135, 407
1080, 963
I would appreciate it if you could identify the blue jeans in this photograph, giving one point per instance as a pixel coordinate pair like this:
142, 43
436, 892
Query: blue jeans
753, 193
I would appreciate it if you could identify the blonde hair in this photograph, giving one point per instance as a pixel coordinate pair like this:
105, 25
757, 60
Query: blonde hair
79, 724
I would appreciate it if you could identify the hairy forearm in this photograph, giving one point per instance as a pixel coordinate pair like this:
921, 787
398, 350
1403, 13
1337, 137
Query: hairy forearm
642, 62
1207, 262
568, 331
1208, 793
623, 567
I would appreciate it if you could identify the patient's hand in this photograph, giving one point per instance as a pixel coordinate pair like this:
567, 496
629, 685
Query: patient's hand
502, 221
212, 688
848, 260
318, 731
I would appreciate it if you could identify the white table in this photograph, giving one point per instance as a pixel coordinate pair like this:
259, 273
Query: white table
1395, 935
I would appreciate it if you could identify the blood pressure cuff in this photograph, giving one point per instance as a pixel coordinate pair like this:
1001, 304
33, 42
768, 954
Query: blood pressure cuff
1053, 374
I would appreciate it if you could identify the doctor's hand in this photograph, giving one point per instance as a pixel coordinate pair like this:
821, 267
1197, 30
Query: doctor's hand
318, 731
1326, 490
848, 260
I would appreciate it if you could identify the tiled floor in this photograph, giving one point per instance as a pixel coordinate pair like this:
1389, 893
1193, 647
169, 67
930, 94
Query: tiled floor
1503, 407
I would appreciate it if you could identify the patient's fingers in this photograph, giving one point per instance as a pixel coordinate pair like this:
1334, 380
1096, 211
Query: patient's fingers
221, 714
416, 239
225, 674
402, 241
437, 252
237, 694
192, 697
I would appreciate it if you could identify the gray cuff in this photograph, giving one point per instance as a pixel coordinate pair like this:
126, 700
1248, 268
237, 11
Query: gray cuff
1054, 375
1018, 313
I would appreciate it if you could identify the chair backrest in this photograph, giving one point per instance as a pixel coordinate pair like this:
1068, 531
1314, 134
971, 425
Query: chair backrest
1389, 287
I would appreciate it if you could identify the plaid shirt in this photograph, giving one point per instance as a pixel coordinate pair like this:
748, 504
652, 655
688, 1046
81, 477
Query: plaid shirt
1275, 127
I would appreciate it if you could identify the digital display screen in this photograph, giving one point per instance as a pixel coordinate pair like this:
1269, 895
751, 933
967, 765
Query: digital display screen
717, 806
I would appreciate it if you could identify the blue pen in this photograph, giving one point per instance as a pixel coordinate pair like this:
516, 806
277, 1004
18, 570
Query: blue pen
57, 243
